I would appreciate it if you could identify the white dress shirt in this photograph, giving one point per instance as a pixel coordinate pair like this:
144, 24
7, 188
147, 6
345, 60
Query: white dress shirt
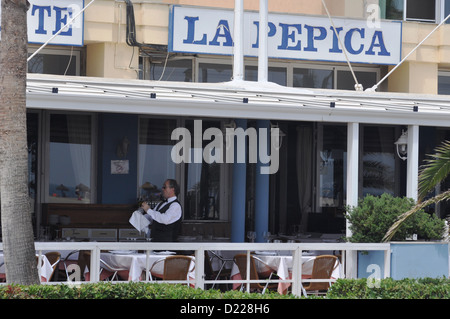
170, 216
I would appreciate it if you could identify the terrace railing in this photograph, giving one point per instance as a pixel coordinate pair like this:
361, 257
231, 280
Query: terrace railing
348, 252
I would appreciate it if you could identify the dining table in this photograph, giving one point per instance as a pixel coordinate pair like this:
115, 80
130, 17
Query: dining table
45, 270
282, 265
130, 263
136, 263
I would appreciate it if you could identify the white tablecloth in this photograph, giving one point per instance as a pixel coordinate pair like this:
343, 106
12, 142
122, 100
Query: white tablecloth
282, 265
135, 263
45, 270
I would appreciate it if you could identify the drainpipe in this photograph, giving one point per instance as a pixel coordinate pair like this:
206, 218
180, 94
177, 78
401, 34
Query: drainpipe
262, 49
238, 54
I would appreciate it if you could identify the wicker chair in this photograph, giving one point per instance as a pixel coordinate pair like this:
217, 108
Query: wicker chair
241, 262
323, 267
175, 268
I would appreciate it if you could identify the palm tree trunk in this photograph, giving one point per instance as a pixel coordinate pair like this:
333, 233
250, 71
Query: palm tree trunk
17, 230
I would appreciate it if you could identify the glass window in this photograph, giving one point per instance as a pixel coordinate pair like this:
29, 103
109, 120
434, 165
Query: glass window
446, 10
444, 84
276, 74
173, 70
378, 160
70, 158
421, 10
214, 72
52, 64
345, 80
332, 166
55, 61
155, 163
202, 183
392, 9
415, 10
313, 78
32, 143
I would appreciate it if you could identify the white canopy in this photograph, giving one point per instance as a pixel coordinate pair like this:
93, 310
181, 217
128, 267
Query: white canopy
234, 99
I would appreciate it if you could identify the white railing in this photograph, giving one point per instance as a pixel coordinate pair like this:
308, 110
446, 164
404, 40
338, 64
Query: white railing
348, 261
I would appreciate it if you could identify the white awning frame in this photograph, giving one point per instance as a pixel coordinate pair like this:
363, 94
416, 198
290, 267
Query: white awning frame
235, 99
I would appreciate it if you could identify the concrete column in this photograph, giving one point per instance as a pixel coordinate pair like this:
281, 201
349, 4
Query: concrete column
352, 166
238, 194
352, 189
412, 179
112, 60
238, 53
262, 185
263, 38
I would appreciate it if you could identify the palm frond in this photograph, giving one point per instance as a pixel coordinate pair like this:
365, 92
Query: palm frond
435, 170
395, 226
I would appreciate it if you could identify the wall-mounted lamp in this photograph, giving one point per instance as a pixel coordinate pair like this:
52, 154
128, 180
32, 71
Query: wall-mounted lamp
326, 156
402, 145
278, 135
122, 147
230, 124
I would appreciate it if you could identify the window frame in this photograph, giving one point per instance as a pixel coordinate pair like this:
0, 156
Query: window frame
288, 65
437, 7
147, 66
181, 171
75, 52
45, 181
439, 13
443, 73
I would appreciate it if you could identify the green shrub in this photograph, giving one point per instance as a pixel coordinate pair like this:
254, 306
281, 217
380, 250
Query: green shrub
373, 216
129, 290
425, 288
422, 288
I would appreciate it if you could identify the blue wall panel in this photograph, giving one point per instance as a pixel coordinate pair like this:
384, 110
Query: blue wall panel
408, 260
419, 260
117, 188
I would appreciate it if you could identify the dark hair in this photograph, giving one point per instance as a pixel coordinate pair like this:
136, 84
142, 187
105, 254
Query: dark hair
173, 184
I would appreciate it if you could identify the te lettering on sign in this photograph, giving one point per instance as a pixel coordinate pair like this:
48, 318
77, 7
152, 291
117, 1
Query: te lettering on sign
46, 17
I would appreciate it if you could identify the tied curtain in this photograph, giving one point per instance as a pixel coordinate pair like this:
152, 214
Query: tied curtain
304, 172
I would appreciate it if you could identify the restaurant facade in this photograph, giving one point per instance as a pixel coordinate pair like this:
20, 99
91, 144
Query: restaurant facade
136, 92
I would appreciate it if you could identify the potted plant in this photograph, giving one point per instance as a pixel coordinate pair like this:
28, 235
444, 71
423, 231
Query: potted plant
436, 169
374, 215
371, 220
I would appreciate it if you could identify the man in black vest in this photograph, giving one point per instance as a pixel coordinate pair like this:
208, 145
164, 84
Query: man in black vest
166, 217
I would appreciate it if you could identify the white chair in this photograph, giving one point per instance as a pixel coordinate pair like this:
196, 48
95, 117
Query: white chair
223, 261
65, 259
114, 270
54, 257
